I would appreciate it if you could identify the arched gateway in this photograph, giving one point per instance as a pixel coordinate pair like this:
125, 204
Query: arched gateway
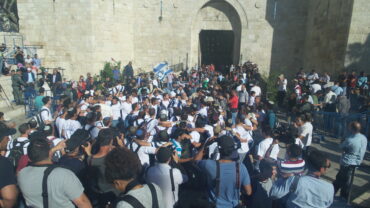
216, 34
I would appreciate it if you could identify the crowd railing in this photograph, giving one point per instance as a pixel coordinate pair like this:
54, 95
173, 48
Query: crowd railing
336, 124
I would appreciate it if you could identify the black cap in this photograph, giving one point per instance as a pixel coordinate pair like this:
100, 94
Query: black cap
6, 131
227, 148
225, 142
163, 154
78, 138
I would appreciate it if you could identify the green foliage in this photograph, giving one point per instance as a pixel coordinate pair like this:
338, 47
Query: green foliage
107, 70
271, 85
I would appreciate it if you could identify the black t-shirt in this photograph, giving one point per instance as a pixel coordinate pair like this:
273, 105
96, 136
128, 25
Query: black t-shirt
7, 175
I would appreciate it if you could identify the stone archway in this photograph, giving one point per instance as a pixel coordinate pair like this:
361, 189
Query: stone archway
217, 15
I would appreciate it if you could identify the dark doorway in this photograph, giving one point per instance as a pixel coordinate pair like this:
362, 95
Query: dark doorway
217, 48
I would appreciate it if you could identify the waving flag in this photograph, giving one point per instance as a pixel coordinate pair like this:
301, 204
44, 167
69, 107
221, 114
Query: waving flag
161, 70
160, 67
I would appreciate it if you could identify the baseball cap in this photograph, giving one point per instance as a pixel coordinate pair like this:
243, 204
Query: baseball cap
78, 138
163, 154
225, 142
227, 148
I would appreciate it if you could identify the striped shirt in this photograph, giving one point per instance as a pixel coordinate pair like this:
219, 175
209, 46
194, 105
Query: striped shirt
292, 167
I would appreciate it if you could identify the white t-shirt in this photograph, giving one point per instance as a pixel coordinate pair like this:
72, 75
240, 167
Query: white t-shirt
143, 153
248, 122
28, 60
70, 126
282, 85
126, 109
203, 111
264, 145
46, 114
257, 90
106, 110
209, 128
315, 88
306, 131
166, 103
195, 136
251, 100
135, 100
59, 122
151, 124
244, 148
116, 111
160, 175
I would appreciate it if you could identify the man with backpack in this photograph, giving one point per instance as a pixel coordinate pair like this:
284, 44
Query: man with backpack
46, 185
225, 177
123, 175
45, 112
18, 147
166, 177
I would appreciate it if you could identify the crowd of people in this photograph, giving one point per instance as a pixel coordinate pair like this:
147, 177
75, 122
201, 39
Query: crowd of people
197, 139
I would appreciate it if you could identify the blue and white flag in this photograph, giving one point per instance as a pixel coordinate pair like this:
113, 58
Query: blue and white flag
161, 70
160, 67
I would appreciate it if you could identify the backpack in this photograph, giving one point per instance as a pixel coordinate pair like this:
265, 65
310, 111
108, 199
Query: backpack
38, 119
88, 131
129, 120
17, 151
136, 203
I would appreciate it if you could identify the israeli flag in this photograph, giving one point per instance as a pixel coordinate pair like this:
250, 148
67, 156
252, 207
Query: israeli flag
160, 67
161, 70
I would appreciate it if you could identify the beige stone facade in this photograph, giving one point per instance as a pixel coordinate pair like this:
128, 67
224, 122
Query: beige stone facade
80, 35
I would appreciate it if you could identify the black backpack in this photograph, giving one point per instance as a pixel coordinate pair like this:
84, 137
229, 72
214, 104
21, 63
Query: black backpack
129, 120
136, 203
17, 151
38, 119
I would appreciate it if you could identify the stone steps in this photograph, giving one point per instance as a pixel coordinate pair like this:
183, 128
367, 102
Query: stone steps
12, 114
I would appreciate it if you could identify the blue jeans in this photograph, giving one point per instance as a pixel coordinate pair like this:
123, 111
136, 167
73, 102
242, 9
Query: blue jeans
233, 117
169, 85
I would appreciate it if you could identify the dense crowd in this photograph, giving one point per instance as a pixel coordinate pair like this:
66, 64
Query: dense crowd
197, 139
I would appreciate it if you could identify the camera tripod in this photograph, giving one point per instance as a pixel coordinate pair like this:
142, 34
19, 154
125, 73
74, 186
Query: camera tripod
5, 97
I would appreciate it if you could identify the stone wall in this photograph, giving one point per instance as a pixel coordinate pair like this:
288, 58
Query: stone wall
358, 46
288, 19
279, 35
81, 35
327, 32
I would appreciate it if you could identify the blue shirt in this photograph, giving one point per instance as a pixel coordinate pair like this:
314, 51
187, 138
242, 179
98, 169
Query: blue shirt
337, 90
354, 148
116, 74
228, 192
310, 192
37, 62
